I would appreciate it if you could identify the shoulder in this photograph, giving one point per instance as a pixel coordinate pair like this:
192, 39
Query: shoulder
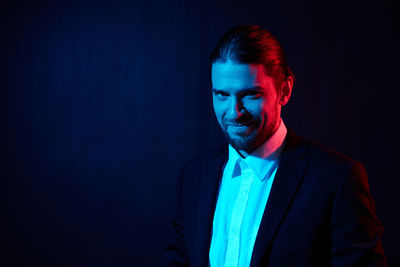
324, 164
202, 165
327, 162
209, 157
324, 155
332, 175
319, 154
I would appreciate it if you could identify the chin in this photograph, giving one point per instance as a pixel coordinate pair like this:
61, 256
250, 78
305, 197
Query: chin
246, 143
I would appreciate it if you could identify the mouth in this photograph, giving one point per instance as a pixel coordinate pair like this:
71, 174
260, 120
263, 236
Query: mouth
238, 127
238, 124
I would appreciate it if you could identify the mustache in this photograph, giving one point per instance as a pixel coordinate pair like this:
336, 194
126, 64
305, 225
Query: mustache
240, 122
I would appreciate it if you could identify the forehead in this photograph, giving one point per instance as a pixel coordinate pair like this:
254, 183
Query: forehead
226, 75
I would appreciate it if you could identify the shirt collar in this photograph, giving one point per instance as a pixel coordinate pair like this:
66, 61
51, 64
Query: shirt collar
263, 158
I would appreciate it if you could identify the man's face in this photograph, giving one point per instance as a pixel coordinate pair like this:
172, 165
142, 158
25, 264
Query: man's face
246, 103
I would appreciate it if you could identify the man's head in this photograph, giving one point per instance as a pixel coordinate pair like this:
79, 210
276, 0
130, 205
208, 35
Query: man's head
251, 82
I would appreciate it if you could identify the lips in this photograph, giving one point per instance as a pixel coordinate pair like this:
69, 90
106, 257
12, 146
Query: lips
238, 125
241, 129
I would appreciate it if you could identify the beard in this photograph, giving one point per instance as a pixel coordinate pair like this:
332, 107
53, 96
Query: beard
242, 141
250, 141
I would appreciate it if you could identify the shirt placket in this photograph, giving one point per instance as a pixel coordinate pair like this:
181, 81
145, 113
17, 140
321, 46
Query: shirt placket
239, 209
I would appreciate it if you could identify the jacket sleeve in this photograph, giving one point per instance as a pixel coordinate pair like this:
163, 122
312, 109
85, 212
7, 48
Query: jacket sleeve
175, 253
356, 231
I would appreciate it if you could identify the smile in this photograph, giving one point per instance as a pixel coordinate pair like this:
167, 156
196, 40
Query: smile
238, 127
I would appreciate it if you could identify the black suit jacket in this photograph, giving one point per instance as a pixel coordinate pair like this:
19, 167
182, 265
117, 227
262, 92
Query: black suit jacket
319, 212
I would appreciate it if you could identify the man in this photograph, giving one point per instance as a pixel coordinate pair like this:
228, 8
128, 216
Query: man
269, 197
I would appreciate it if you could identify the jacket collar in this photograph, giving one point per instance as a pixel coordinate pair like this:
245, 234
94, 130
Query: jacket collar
288, 178
207, 199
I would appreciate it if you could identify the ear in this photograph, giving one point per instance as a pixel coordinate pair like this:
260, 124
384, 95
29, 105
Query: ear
286, 91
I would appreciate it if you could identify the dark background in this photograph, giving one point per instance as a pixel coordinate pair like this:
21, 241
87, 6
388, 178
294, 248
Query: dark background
102, 102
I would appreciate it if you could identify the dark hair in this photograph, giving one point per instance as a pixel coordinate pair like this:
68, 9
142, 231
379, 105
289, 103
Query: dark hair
251, 44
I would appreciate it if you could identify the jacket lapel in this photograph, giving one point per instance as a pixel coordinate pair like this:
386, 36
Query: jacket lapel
208, 192
288, 178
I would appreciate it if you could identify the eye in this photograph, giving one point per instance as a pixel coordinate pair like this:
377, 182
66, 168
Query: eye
220, 94
253, 94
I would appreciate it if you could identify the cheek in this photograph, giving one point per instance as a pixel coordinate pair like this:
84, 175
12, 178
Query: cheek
269, 113
255, 108
218, 110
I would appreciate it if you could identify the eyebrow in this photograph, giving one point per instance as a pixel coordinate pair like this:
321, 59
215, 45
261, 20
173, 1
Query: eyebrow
252, 89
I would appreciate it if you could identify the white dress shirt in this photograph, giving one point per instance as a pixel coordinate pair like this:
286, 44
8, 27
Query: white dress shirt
243, 195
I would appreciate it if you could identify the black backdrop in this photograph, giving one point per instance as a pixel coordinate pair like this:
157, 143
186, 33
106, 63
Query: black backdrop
101, 103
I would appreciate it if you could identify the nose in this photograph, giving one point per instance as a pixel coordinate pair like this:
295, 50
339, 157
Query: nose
236, 109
